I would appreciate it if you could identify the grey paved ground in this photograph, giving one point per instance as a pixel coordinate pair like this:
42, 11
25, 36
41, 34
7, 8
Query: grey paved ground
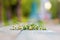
54, 27
38, 35
6, 34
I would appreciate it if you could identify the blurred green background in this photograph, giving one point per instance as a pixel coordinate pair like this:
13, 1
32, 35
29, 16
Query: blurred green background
11, 9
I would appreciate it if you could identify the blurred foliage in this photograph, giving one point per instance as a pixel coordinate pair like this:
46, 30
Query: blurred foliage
6, 4
26, 6
54, 8
13, 2
4, 17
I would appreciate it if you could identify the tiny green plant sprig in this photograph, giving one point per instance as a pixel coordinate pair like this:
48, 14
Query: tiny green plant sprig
29, 27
